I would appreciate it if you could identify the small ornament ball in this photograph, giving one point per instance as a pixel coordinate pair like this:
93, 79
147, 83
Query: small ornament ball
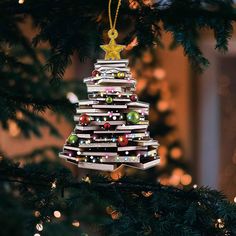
133, 98
84, 119
109, 100
95, 73
107, 125
120, 75
133, 117
123, 141
73, 138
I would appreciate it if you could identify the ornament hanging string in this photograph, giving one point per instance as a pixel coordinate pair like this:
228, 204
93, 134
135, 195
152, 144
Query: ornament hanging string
112, 49
112, 30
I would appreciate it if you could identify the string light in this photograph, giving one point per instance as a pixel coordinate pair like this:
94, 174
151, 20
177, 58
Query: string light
54, 184
86, 179
195, 186
57, 214
76, 224
21, 1
36, 234
220, 224
39, 227
36, 213
235, 199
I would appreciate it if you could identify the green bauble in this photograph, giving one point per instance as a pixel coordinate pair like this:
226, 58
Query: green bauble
73, 139
109, 100
133, 117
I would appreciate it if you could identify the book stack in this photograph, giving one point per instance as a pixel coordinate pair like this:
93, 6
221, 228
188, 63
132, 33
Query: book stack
111, 126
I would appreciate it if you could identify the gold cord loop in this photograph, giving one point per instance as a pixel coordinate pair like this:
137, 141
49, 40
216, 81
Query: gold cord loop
113, 25
112, 49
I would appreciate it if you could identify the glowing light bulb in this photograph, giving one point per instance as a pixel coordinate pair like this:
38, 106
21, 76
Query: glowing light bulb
76, 224
54, 185
57, 214
39, 227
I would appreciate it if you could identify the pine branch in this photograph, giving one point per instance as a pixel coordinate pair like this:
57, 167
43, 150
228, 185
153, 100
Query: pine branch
76, 26
137, 207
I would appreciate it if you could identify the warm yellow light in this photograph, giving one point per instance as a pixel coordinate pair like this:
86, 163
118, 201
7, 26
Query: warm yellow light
176, 153
14, 130
39, 227
235, 199
164, 181
57, 214
194, 186
163, 161
160, 73
36, 213
178, 171
219, 224
21, 1
133, 4
54, 185
186, 179
76, 224
162, 105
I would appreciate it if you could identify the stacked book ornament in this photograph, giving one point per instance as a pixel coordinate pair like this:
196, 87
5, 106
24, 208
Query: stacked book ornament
111, 126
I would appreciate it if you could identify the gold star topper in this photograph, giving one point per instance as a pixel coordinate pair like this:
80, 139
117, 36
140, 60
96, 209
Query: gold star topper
112, 49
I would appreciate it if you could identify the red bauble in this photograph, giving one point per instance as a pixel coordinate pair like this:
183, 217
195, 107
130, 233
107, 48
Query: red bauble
84, 119
107, 125
95, 73
123, 141
133, 98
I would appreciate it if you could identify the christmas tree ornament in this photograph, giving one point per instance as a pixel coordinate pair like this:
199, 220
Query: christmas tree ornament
84, 119
110, 135
133, 98
120, 75
95, 73
112, 50
123, 141
133, 117
109, 100
107, 125
112, 129
73, 139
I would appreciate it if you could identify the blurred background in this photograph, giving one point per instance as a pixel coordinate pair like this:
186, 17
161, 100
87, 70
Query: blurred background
192, 115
